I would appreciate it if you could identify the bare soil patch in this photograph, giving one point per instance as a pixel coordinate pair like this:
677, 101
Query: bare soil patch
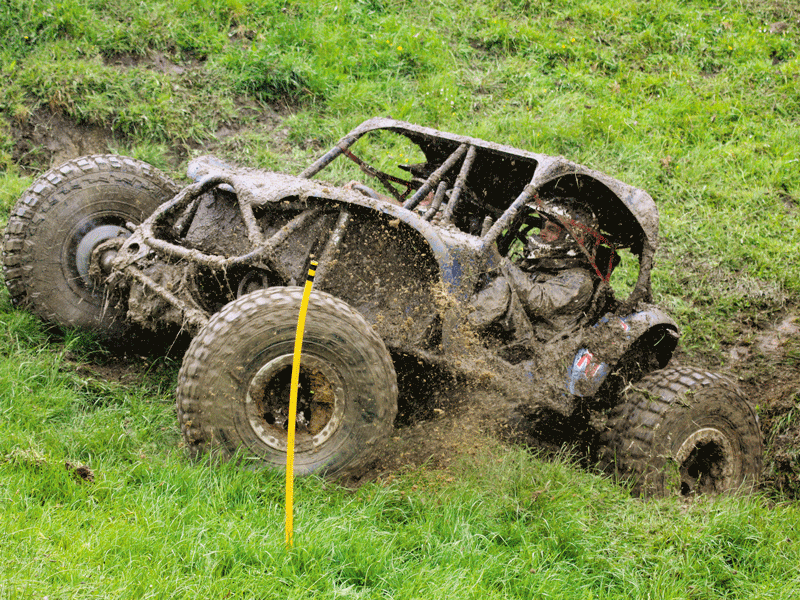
157, 61
49, 138
768, 366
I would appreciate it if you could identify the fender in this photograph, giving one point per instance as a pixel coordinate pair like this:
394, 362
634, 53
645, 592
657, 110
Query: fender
608, 340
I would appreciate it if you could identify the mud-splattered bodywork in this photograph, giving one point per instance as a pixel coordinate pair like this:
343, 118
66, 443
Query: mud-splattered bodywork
408, 263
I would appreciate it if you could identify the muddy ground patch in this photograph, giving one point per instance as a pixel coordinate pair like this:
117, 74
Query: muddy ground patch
443, 418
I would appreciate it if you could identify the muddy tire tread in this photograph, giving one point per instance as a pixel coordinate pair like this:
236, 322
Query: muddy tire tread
198, 430
633, 424
48, 191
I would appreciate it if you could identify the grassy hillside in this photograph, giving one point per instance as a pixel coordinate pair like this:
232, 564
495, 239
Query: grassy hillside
697, 102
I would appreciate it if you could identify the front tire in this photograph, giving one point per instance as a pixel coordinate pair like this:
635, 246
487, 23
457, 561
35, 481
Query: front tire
683, 431
233, 390
60, 220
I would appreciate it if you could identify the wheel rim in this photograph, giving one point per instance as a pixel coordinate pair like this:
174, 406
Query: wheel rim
90, 241
80, 244
320, 403
705, 462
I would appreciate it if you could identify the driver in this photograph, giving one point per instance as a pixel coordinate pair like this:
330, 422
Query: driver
551, 287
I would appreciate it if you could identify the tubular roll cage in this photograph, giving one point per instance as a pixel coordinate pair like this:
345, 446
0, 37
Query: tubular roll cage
177, 215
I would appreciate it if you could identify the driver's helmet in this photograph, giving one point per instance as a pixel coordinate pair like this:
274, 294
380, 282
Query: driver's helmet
577, 222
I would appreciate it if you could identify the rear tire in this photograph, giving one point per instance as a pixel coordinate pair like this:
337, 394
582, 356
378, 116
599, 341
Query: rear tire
233, 387
57, 223
683, 431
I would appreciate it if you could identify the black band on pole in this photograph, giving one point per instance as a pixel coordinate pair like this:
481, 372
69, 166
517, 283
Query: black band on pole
312, 270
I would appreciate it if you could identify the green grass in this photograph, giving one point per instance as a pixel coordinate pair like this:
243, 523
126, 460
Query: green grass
503, 525
696, 102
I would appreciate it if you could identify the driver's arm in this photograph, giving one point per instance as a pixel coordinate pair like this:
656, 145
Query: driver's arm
566, 292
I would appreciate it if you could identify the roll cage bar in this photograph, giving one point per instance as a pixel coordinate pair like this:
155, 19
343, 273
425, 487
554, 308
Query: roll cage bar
627, 215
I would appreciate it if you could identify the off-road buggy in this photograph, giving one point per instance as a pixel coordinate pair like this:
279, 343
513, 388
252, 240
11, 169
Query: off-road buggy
105, 241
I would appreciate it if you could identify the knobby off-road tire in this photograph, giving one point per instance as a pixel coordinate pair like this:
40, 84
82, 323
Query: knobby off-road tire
233, 386
57, 223
683, 431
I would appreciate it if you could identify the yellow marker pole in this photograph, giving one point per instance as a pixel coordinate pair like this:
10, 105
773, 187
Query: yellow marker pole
298, 345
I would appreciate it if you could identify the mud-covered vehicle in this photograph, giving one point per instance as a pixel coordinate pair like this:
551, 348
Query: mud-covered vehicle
103, 242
